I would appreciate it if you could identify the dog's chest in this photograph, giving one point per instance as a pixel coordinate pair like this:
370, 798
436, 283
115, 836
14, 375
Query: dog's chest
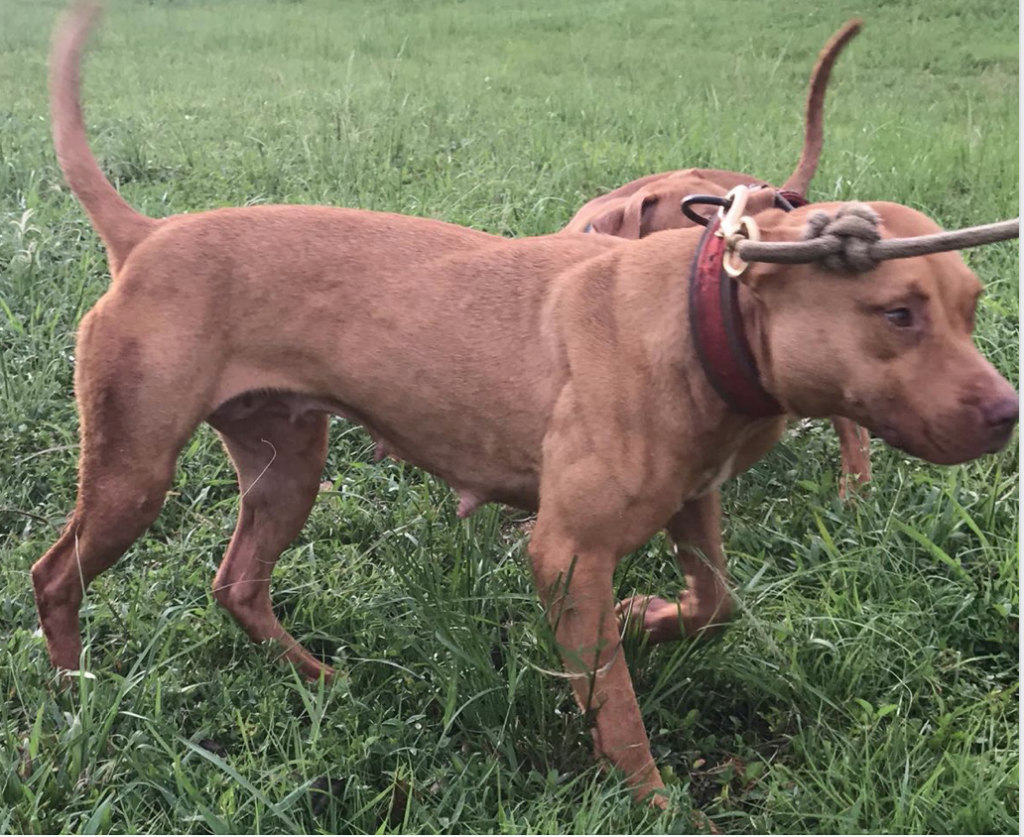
723, 459
711, 479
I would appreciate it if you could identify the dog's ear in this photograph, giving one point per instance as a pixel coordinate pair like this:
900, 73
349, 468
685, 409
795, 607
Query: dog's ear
632, 219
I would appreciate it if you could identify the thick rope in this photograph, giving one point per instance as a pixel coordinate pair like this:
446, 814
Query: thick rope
855, 227
850, 241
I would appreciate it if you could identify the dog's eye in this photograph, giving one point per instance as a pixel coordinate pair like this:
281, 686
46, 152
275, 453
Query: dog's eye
900, 317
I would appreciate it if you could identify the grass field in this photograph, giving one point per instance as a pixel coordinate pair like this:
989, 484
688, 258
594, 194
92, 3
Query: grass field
870, 680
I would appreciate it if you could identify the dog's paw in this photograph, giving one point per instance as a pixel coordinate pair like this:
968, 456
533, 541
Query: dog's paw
661, 620
665, 621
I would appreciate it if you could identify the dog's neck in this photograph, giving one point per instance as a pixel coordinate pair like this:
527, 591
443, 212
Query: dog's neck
755, 328
722, 334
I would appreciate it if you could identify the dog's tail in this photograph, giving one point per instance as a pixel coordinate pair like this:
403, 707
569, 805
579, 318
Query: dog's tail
801, 178
120, 226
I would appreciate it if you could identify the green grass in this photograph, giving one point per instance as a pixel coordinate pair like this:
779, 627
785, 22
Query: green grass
870, 680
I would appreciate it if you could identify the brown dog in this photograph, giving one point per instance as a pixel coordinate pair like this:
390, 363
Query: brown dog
555, 373
651, 204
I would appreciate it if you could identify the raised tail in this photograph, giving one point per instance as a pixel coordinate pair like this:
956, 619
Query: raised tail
120, 226
801, 177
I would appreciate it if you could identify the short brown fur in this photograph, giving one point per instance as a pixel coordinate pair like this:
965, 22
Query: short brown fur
552, 373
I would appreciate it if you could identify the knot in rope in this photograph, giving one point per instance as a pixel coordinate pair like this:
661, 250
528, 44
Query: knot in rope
855, 229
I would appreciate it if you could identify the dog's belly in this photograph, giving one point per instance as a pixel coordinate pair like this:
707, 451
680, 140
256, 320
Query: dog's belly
473, 466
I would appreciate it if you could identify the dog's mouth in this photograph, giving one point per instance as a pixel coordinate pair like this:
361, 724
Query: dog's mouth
998, 441
888, 434
894, 437
924, 442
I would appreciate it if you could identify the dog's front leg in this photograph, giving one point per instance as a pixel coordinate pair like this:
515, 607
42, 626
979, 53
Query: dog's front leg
575, 585
696, 533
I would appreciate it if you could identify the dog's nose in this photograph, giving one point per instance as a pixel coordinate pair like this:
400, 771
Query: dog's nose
1001, 415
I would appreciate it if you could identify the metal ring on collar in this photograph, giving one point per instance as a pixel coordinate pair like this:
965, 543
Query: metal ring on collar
702, 200
782, 203
732, 218
746, 230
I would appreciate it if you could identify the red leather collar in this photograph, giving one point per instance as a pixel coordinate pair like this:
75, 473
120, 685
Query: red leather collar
717, 329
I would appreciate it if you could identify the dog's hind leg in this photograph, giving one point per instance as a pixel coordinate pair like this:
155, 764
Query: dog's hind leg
117, 501
131, 438
696, 532
279, 459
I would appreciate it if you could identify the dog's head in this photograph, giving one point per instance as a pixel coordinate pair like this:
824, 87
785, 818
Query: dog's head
654, 205
890, 348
